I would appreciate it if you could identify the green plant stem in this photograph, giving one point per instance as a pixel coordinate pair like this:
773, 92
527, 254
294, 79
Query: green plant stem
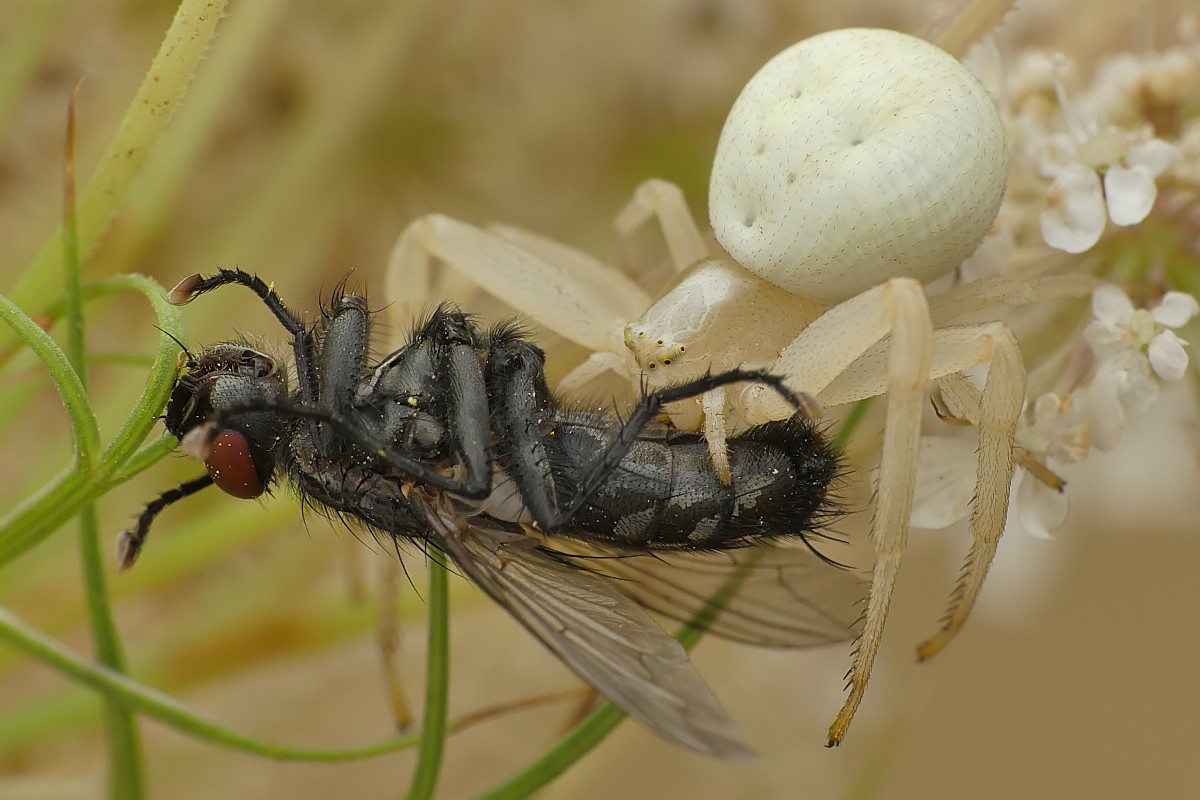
144, 459
125, 774
437, 683
842, 437
14, 632
84, 428
66, 495
555, 761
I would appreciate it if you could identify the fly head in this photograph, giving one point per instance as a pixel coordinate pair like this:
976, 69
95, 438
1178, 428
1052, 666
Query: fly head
238, 451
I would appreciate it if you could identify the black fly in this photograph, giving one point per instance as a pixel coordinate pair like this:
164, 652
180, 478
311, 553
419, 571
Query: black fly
455, 439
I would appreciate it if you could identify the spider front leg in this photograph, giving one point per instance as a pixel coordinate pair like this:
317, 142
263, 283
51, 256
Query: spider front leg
898, 307
995, 416
830, 359
560, 288
568, 291
994, 413
664, 201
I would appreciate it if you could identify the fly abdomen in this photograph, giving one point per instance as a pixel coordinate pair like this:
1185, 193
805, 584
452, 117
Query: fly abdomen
666, 495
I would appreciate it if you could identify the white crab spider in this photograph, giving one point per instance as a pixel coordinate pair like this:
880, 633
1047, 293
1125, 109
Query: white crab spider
853, 167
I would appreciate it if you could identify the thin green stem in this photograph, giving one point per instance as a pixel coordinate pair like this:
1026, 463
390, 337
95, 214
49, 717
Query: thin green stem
555, 761
72, 270
67, 494
437, 683
71, 389
74, 396
125, 778
159, 383
144, 459
125, 774
852, 420
133, 695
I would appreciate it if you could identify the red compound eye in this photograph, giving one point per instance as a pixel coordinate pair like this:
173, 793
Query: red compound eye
232, 466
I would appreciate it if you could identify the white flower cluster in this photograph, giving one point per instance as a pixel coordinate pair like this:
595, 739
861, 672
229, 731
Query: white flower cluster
1134, 348
1123, 148
1104, 154
1109, 134
1128, 351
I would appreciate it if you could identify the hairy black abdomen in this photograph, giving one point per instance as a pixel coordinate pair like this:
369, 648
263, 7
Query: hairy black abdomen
665, 494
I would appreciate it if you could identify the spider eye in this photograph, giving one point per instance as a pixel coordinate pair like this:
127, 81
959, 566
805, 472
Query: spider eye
231, 466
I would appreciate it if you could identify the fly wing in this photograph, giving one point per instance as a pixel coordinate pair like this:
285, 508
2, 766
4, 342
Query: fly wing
606, 638
770, 596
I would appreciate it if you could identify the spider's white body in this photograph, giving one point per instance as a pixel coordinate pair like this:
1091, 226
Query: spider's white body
855, 166
854, 157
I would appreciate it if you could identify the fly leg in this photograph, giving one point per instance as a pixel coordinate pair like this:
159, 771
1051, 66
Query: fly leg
329, 399
448, 345
130, 542
649, 407
462, 397
302, 340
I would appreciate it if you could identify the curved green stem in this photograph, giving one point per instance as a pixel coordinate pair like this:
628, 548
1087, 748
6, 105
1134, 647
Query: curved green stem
125, 774
133, 695
69, 493
437, 683
70, 388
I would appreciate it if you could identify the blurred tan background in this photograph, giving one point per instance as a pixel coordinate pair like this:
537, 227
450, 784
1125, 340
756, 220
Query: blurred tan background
344, 121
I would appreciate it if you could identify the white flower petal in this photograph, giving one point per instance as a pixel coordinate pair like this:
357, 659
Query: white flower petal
945, 481
1046, 406
1040, 509
1140, 391
1103, 339
1103, 407
1154, 155
1072, 445
1060, 154
1175, 310
1167, 356
1130, 193
1075, 215
1111, 306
